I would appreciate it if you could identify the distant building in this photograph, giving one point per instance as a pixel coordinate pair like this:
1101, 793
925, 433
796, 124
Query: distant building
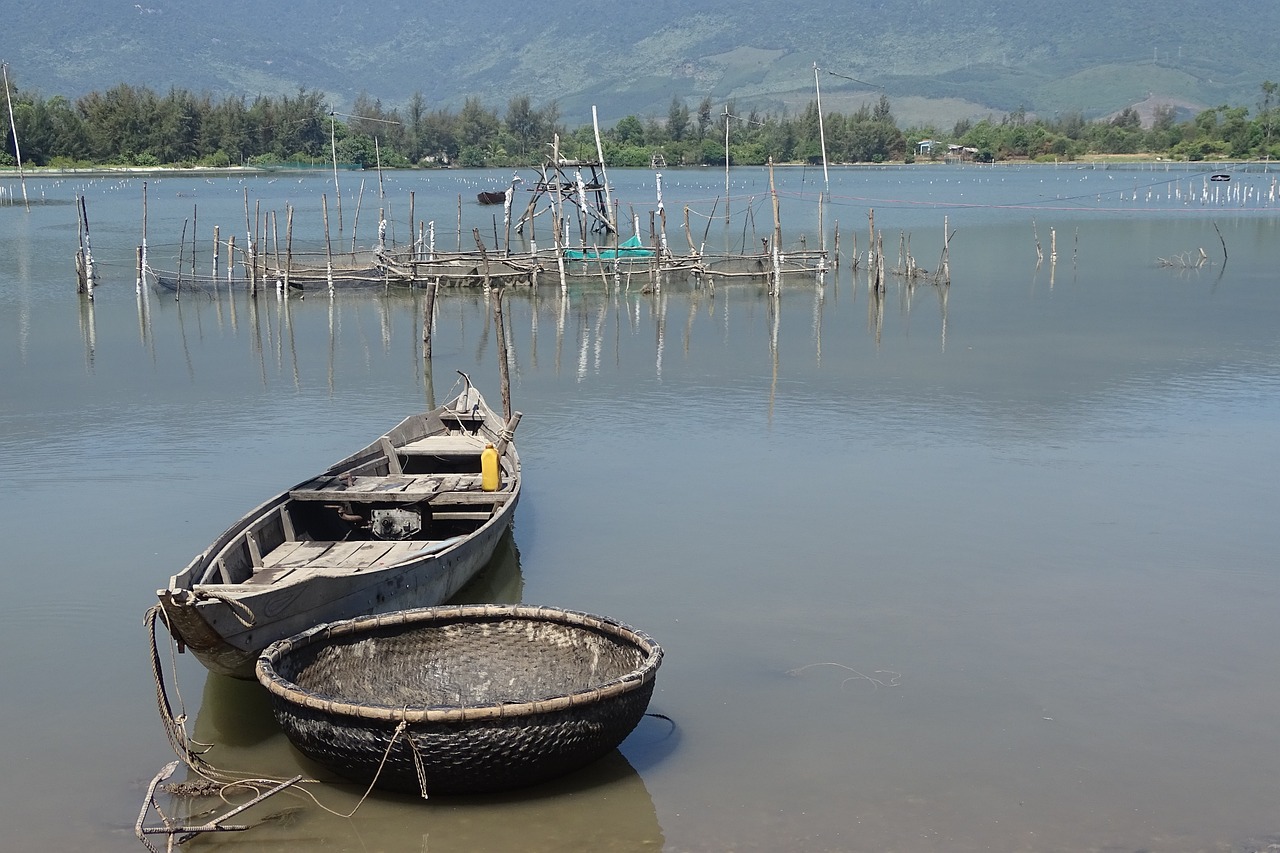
925, 147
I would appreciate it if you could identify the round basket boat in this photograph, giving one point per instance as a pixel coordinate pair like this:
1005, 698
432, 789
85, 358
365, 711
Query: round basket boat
463, 699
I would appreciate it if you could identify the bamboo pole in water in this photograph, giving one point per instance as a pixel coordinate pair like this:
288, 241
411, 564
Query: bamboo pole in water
195, 231
288, 244
275, 250
22, 176
328, 247
503, 368
428, 316
144, 225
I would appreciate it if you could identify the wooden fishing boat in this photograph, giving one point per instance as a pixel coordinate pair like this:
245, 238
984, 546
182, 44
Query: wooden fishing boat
492, 196
403, 523
465, 699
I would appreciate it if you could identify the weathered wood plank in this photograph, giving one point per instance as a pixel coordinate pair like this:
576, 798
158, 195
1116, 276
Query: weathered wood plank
305, 553
270, 576
280, 555
445, 445
367, 554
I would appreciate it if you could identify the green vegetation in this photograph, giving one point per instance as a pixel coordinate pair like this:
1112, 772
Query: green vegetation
134, 126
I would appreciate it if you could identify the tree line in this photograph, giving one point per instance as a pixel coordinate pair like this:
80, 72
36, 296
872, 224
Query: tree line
135, 126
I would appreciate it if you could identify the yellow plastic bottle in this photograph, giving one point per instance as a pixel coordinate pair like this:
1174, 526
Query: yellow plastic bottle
489, 480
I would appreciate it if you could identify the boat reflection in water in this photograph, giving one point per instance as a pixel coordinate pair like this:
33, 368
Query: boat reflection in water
602, 806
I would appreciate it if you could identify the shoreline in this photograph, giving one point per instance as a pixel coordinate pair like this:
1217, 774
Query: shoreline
7, 172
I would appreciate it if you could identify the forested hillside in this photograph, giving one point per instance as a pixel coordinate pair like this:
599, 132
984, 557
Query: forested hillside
938, 60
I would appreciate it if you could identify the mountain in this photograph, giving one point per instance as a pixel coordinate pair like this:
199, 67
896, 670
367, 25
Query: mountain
937, 60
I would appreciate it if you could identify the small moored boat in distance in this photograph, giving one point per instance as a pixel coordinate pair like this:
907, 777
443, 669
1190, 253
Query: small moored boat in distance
403, 523
1222, 176
491, 196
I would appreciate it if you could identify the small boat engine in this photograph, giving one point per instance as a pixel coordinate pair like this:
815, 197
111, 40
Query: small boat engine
394, 523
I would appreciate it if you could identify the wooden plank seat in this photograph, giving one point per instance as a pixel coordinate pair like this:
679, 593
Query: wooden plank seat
444, 445
435, 488
294, 557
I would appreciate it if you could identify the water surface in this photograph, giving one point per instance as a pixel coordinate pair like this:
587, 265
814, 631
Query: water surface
982, 567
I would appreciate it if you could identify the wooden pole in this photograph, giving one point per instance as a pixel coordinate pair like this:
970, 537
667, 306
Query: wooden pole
288, 244
355, 220
777, 232
328, 247
484, 255
503, 368
144, 225
4, 66
195, 210
90, 276
275, 250
726, 164
182, 245
333, 148
608, 202
217, 252
413, 230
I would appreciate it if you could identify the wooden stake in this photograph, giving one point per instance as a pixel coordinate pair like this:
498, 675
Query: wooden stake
503, 368
428, 318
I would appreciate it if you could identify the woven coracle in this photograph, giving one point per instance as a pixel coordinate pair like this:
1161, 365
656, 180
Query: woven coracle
461, 699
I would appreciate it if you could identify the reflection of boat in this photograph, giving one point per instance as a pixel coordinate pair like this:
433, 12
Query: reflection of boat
461, 699
492, 196
405, 522
1220, 177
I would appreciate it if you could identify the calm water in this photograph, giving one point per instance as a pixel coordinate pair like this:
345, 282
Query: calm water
985, 568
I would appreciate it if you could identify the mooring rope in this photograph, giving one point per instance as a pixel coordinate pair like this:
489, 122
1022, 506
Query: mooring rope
238, 608
174, 726
184, 745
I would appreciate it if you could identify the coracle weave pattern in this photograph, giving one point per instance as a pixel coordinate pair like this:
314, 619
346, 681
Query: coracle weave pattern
461, 699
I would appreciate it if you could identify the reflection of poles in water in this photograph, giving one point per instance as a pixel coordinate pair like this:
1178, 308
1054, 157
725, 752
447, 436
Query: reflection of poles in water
875, 307
144, 315
775, 312
533, 325
333, 341
428, 322
943, 293
819, 300
293, 347
661, 306
88, 329
599, 343
562, 310
255, 329
186, 350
